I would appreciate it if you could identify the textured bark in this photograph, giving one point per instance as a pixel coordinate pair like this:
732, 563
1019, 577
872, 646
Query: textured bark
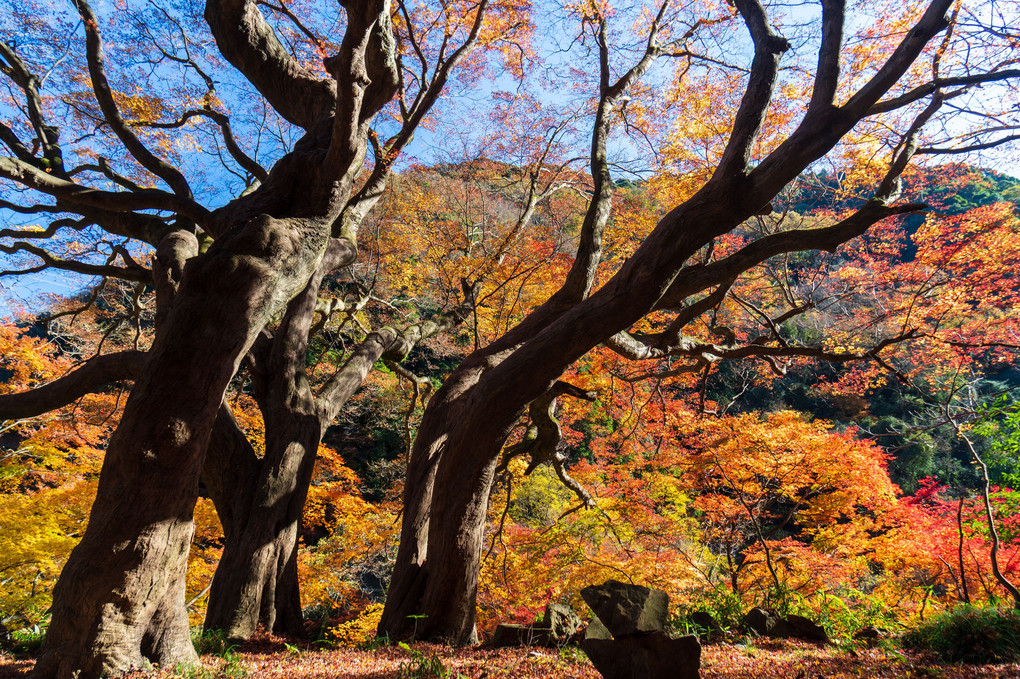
120, 588
256, 580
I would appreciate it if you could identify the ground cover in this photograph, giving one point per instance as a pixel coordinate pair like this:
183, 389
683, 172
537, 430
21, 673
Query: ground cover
272, 658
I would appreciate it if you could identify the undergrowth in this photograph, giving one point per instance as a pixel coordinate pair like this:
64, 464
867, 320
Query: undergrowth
970, 634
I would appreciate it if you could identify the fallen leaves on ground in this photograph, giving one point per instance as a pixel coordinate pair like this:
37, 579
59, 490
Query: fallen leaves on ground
270, 658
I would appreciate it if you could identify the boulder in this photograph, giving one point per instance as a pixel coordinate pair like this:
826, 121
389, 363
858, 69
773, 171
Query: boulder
522, 635
709, 626
805, 628
645, 656
561, 620
766, 623
627, 609
770, 624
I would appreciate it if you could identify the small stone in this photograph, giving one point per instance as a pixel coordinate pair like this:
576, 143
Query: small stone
769, 624
805, 628
764, 623
708, 624
627, 609
869, 635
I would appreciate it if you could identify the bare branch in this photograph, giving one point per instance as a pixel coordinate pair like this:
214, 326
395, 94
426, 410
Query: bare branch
132, 272
922, 91
104, 96
86, 197
249, 43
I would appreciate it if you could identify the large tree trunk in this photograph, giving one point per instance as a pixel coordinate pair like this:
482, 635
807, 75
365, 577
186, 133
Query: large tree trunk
462, 432
256, 580
120, 598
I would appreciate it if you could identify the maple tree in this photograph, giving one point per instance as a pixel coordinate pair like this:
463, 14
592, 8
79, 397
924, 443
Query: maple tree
267, 252
852, 97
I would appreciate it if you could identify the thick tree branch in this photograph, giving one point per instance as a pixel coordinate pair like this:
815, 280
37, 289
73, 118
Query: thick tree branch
90, 377
385, 156
47, 136
365, 69
387, 343
931, 23
581, 276
823, 93
769, 46
249, 43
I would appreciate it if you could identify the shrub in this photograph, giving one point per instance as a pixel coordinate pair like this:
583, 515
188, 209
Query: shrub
970, 634
359, 630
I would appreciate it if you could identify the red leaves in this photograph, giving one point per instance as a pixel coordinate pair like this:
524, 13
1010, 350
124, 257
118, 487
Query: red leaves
760, 659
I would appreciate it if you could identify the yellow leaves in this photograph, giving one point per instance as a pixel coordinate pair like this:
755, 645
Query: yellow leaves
359, 629
140, 105
37, 533
202, 558
25, 360
589, 10
359, 537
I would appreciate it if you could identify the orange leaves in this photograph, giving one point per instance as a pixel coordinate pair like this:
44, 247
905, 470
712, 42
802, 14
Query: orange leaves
346, 538
26, 361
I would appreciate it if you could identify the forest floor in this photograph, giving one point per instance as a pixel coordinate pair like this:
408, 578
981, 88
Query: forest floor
273, 659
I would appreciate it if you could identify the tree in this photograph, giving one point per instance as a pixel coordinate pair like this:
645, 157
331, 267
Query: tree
674, 270
254, 264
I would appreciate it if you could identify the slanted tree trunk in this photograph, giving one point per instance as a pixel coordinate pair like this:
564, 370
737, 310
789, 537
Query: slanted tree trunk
464, 427
256, 580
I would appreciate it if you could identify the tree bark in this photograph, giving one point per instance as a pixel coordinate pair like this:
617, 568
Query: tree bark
121, 595
256, 580
465, 426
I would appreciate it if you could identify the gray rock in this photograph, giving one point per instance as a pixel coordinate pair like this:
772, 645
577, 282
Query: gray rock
561, 620
596, 630
645, 656
627, 609
769, 624
765, 623
522, 635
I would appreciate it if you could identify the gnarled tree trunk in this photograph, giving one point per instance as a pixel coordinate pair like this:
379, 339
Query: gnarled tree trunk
120, 598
